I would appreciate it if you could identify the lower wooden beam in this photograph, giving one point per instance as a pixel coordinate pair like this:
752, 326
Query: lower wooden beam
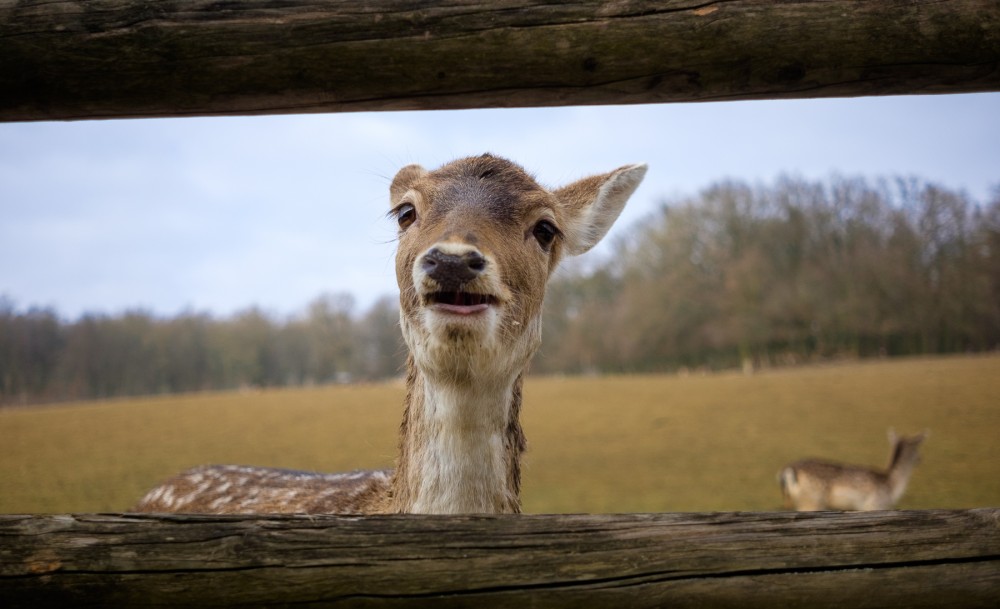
874, 559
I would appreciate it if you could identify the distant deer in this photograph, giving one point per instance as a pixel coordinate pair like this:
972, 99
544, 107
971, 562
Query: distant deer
813, 484
478, 240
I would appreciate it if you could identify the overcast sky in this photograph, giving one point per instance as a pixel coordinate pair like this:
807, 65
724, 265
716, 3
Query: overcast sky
215, 215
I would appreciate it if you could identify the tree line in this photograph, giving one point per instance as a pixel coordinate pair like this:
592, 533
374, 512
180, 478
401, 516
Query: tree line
137, 353
740, 274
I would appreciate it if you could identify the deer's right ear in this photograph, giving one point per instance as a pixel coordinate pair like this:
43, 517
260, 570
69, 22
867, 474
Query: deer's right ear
404, 180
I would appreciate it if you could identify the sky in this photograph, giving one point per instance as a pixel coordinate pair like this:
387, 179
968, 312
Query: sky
214, 215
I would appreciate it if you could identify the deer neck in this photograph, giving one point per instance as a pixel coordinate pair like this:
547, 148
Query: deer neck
461, 445
899, 476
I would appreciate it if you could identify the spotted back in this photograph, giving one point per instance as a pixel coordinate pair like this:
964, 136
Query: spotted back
233, 489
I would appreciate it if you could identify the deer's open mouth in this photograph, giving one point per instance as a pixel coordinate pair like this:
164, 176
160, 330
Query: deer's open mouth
461, 303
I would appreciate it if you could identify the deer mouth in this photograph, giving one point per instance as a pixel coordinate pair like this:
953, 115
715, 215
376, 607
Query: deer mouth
460, 303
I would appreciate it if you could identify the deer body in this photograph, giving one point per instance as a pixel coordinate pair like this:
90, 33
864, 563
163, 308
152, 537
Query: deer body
813, 484
478, 241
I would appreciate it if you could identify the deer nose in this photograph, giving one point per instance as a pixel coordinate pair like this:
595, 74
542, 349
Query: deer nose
452, 270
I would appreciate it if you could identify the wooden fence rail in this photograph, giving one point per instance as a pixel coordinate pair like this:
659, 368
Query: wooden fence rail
877, 559
133, 58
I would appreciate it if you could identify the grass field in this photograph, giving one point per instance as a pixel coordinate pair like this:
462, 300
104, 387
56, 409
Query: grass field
607, 444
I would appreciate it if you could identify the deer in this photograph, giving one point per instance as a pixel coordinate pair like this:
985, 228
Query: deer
478, 240
814, 484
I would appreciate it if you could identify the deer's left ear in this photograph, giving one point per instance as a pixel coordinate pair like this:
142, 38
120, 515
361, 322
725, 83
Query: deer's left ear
591, 205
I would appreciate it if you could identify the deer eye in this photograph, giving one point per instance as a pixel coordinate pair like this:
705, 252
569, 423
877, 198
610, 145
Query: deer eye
545, 233
406, 214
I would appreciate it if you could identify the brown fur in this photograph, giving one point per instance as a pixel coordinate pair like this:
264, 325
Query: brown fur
479, 239
814, 484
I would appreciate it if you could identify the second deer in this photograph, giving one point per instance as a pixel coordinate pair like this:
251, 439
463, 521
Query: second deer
478, 241
813, 484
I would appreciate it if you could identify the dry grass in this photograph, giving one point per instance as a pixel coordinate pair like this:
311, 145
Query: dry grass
617, 444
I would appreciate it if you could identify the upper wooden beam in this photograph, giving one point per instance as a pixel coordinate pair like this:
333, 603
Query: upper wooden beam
132, 58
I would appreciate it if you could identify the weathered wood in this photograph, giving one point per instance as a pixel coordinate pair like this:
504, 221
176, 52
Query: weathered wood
132, 58
874, 559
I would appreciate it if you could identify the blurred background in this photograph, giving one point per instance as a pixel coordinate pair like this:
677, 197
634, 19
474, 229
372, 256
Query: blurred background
792, 278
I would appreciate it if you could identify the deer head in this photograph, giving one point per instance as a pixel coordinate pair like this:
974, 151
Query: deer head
478, 240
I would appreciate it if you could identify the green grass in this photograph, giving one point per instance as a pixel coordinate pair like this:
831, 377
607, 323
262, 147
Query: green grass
603, 444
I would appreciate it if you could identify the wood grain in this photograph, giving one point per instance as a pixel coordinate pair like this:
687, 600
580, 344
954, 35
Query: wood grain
131, 58
873, 559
